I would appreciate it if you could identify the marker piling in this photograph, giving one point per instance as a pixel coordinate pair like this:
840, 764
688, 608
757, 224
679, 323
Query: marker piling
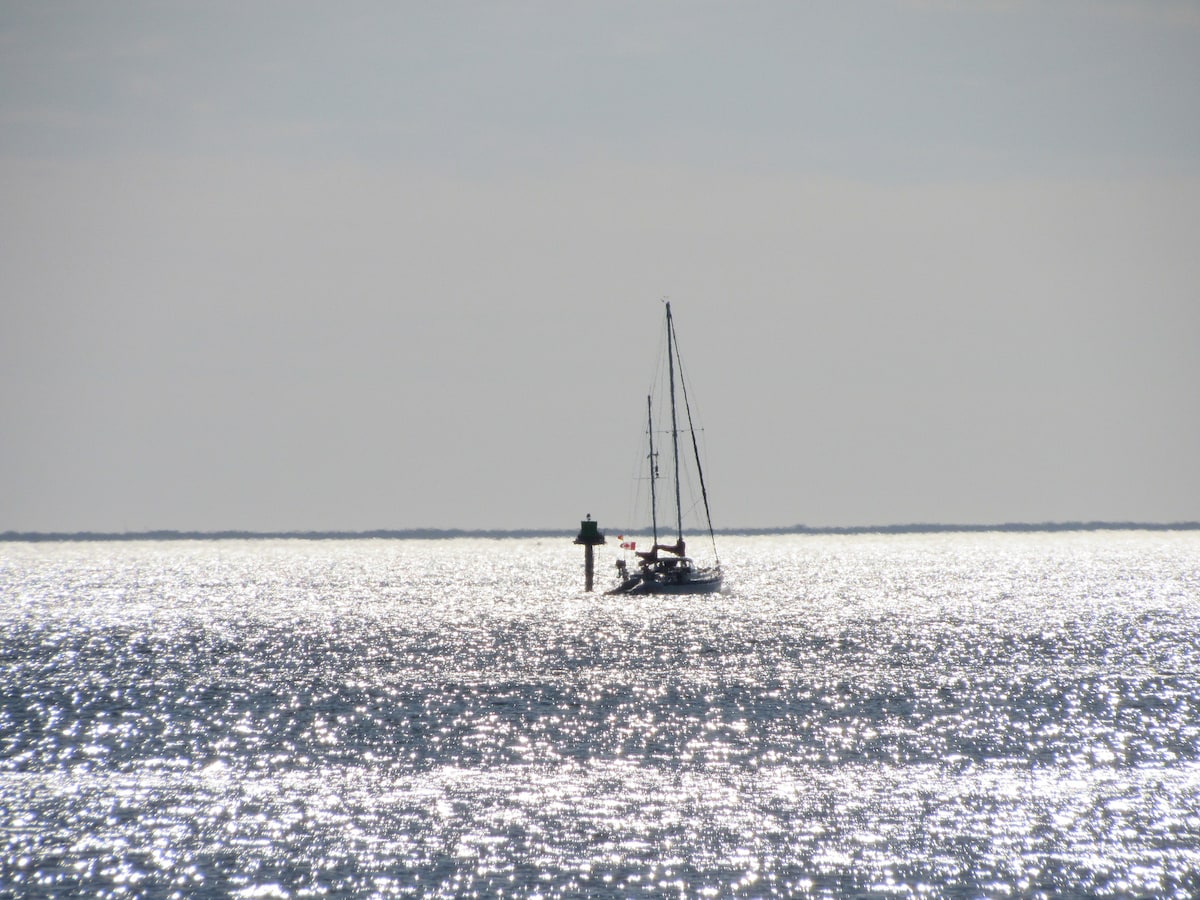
589, 536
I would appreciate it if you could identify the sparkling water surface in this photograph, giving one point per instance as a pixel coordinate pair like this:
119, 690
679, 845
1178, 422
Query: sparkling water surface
954, 715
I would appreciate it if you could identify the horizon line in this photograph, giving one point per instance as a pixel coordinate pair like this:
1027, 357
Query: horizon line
504, 533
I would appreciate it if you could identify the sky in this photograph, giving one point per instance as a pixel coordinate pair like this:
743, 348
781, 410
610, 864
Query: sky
308, 266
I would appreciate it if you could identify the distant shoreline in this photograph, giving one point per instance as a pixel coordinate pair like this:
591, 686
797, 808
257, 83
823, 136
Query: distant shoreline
526, 533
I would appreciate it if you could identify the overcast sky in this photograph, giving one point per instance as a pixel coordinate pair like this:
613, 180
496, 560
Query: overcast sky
305, 265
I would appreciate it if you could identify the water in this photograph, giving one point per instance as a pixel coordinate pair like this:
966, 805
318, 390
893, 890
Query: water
984, 715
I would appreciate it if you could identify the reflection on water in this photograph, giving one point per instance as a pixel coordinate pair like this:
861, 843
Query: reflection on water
973, 715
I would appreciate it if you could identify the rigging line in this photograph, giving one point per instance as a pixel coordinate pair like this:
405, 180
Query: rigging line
658, 382
646, 463
653, 459
671, 353
634, 503
696, 450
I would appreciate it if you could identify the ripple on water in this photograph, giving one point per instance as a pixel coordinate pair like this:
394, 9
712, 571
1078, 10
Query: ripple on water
992, 715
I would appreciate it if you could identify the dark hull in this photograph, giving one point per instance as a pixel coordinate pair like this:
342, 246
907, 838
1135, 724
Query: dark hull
700, 583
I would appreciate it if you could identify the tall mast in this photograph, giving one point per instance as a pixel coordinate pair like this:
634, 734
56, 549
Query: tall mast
674, 424
653, 469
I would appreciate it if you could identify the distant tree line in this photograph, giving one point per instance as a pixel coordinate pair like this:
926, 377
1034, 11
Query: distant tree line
502, 534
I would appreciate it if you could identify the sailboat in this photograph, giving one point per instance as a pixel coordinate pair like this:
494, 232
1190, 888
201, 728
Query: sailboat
666, 568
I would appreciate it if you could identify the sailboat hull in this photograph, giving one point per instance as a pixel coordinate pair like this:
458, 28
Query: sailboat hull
700, 583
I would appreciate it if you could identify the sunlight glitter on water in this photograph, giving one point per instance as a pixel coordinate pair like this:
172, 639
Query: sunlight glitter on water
990, 715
